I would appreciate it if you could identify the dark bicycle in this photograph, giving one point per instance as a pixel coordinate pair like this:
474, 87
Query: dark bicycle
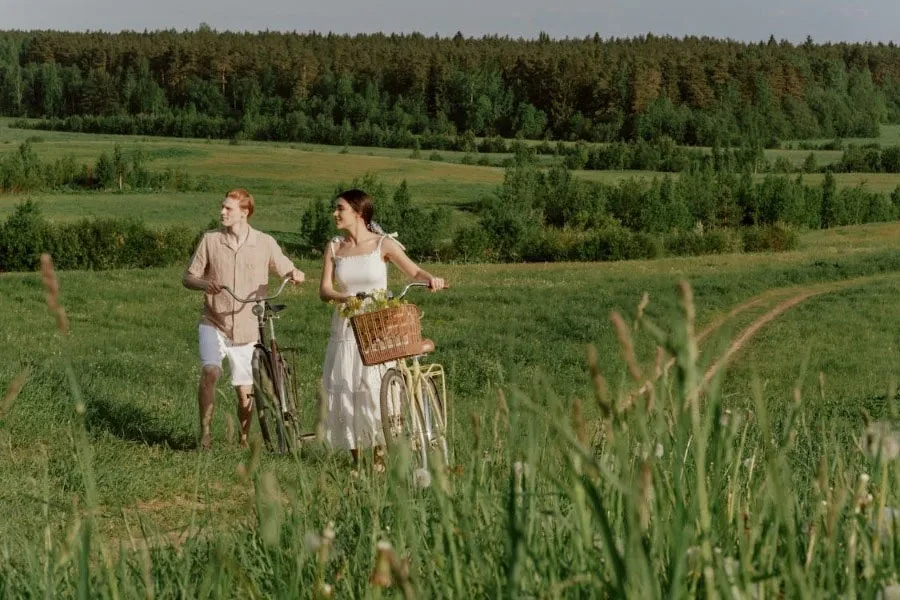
274, 379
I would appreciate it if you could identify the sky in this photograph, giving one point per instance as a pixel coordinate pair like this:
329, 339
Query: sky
824, 20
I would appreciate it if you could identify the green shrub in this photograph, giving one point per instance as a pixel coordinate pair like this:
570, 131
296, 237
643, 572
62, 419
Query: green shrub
316, 226
696, 243
471, 244
23, 236
769, 238
95, 244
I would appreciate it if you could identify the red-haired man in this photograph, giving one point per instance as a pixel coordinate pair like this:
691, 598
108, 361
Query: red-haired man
240, 257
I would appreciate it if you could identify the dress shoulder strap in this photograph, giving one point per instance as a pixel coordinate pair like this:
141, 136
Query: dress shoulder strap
334, 241
393, 236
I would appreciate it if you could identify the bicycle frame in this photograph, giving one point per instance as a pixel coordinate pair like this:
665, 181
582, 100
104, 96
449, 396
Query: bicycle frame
415, 377
265, 315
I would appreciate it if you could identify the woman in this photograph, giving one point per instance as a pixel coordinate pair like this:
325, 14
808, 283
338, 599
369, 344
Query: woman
357, 263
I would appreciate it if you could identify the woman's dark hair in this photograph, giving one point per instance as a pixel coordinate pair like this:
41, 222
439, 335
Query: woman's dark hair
360, 202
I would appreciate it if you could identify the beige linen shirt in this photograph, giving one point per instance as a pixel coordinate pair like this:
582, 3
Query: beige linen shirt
245, 269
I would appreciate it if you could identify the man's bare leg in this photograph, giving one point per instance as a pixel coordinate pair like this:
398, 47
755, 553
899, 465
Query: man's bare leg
245, 411
206, 398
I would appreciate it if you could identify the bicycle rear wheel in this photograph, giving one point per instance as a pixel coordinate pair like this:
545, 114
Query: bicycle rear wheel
400, 419
435, 425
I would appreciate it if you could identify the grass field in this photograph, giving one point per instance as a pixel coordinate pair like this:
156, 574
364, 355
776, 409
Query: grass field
661, 500
519, 328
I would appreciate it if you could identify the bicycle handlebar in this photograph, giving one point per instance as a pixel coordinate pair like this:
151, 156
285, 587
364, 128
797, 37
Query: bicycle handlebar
364, 295
266, 299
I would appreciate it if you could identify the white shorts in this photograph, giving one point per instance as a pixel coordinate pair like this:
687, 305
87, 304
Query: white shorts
214, 346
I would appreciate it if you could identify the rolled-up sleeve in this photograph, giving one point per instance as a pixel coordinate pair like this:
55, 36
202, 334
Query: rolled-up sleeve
280, 263
197, 267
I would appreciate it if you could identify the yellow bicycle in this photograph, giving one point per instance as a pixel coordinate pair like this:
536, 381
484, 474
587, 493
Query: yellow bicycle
413, 397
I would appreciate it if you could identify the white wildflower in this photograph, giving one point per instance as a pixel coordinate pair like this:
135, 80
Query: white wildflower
887, 522
725, 418
313, 541
328, 532
890, 592
422, 478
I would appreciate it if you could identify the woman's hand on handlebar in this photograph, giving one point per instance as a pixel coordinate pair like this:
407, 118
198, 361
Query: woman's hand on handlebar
437, 283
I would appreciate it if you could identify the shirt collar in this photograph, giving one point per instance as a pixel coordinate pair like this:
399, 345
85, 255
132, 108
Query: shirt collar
252, 238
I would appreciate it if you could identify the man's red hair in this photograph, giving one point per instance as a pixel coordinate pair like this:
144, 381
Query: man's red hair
245, 200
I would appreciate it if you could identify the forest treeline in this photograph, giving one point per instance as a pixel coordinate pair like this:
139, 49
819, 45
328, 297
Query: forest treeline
398, 90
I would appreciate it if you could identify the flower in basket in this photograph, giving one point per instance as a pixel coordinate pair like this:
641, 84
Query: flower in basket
379, 300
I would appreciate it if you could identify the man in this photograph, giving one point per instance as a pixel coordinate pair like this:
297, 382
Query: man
240, 257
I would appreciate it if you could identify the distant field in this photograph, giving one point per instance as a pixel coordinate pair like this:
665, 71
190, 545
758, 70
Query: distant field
285, 177
889, 135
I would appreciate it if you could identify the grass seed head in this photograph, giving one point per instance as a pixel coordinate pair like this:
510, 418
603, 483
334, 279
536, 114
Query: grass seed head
51, 286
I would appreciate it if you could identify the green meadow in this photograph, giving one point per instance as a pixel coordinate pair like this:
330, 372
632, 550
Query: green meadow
739, 471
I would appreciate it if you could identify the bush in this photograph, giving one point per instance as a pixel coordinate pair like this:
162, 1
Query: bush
770, 238
90, 243
696, 243
23, 236
617, 243
471, 244
316, 227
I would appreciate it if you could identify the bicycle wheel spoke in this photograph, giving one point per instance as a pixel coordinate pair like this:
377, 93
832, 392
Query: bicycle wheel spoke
400, 418
436, 427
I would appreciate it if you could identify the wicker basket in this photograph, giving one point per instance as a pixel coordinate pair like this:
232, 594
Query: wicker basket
387, 334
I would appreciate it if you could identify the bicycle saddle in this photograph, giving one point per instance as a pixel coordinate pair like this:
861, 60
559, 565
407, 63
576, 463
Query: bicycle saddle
425, 346
277, 307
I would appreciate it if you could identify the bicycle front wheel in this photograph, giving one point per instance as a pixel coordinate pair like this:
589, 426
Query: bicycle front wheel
289, 417
263, 395
434, 421
400, 419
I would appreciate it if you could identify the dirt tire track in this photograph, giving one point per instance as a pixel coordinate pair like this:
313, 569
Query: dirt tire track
753, 328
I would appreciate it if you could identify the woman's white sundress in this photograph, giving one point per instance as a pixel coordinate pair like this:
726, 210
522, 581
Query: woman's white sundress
353, 418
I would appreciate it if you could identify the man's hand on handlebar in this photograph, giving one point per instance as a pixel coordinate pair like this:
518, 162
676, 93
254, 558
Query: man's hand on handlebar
297, 276
213, 287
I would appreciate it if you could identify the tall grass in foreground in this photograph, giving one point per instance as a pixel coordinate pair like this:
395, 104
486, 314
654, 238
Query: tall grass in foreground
669, 494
